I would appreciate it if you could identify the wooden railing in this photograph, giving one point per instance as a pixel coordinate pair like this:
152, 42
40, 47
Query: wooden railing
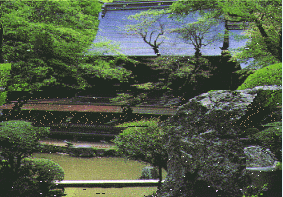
108, 183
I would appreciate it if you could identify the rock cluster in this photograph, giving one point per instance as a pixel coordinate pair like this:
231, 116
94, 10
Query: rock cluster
206, 157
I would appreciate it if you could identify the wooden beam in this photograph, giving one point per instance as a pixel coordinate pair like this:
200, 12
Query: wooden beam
107, 183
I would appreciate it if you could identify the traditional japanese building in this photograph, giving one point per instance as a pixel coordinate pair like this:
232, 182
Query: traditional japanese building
114, 20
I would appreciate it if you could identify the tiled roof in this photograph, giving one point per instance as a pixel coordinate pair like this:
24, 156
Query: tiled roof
112, 27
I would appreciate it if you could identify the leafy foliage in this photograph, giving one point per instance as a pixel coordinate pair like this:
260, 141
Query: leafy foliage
107, 70
192, 79
243, 74
128, 99
37, 175
49, 45
271, 138
198, 33
254, 191
143, 140
47, 42
124, 61
19, 137
265, 25
271, 75
269, 99
28, 176
4, 76
265, 29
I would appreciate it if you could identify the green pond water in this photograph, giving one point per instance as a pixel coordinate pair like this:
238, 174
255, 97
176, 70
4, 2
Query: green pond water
101, 169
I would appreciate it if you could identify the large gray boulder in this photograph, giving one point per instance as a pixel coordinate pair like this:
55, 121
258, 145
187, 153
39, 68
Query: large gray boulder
206, 157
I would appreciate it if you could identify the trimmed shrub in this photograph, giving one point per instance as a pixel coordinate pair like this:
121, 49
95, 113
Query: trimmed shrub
143, 140
149, 172
270, 75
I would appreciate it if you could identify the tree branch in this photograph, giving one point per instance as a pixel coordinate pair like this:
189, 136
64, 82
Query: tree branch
268, 42
144, 39
151, 36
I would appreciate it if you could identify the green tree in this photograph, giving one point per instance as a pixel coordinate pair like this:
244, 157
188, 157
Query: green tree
48, 44
20, 174
4, 76
150, 28
189, 76
1, 43
265, 25
194, 78
144, 141
197, 33
1, 38
265, 19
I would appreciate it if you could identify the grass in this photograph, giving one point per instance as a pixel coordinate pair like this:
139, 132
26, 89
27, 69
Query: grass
109, 1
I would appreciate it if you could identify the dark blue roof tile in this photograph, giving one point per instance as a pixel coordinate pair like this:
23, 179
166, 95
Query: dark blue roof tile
113, 25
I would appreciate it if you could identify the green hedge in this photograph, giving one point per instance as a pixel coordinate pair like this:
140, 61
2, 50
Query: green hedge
270, 75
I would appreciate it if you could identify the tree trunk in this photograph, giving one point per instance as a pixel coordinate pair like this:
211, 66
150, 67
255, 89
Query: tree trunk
226, 40
280, 47
276, 52
156, 51
197, 53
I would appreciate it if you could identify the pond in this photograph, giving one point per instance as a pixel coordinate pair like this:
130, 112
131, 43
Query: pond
101, 169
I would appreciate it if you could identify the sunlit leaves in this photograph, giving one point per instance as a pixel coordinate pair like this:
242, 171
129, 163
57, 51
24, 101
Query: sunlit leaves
4, 76
143, 140
145, 86
264, 45
20, 135
35, 30
104, 69
45, 169
19, 139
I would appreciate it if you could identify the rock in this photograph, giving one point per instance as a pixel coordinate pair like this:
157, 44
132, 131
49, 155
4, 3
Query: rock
149, 172
205, 155
258, 157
